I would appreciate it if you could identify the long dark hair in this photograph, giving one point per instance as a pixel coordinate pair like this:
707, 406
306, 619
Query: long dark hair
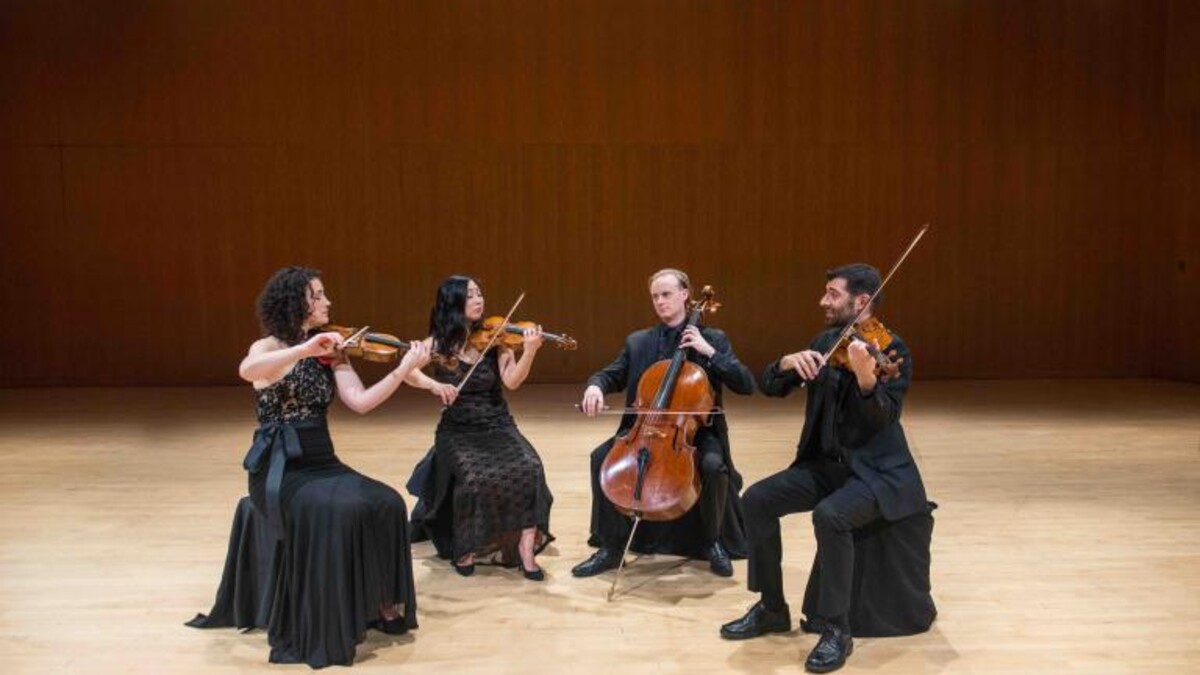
283, 303
448, 325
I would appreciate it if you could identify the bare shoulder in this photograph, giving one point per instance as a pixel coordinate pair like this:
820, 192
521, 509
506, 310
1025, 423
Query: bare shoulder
265, 345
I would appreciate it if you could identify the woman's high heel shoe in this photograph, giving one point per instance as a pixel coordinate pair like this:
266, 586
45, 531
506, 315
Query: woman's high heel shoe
465, 570
536, 574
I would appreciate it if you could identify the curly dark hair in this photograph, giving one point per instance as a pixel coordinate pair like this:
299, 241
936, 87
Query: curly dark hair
283, 303
448, 325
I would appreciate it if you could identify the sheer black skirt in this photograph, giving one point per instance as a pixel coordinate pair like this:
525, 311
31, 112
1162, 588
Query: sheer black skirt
478, 489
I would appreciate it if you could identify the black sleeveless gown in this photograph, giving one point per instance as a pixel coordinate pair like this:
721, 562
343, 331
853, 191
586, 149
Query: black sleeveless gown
344, 550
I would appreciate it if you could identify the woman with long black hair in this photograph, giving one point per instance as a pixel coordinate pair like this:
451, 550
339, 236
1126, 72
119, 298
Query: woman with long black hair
482, 488
319, 552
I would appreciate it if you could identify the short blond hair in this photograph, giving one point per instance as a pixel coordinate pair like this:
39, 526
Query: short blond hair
679, 275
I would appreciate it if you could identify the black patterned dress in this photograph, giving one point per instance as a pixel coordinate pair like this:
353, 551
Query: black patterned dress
482, 483
317, 548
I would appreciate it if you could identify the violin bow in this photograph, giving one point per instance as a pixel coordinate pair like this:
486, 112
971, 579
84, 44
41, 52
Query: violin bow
352, 341
490, 343
643, 411
850, 326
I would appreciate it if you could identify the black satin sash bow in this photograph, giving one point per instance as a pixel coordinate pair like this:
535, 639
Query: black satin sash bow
280, 442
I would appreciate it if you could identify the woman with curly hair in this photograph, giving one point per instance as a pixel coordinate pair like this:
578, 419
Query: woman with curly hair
482, 488
319, 552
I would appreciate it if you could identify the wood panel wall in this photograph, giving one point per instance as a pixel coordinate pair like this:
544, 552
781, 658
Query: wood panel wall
159, 159
1172, 343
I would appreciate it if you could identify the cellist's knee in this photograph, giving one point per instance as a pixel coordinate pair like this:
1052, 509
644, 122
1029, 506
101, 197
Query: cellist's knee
711, 465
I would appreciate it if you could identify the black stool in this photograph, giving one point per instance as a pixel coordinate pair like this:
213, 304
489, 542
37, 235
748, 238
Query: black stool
890, 593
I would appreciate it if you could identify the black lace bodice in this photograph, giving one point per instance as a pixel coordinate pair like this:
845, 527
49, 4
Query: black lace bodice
481, 402
303, 394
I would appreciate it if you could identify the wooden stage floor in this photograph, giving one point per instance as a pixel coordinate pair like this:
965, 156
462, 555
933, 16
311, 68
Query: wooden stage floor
1068, 538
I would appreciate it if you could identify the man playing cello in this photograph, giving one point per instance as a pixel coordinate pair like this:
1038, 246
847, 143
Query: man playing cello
713, 529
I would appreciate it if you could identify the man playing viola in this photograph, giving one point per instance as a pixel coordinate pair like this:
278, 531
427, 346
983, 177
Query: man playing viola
713, 529
852, 467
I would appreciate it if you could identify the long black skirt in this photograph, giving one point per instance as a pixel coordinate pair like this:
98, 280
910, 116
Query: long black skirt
343, 556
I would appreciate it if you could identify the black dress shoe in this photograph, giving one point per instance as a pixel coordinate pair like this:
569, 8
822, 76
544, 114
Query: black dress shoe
758, 621
831, 650
464, 570
603, 559
718, 560
535, 574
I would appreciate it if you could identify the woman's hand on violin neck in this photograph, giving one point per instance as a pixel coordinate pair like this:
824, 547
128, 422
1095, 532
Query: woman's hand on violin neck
322, 344
807, 363
694, 340
417, 356
593, 401
532, 339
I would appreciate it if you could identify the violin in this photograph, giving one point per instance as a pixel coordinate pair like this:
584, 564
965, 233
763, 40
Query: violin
377, 347
650, 473
877, 338
870, 330
513, 335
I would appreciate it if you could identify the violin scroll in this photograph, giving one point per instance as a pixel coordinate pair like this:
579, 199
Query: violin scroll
706, 304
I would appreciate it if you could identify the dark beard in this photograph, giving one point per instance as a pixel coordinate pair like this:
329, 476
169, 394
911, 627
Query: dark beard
842, 317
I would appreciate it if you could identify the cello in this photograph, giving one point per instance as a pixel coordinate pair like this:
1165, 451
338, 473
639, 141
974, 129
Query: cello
650, 473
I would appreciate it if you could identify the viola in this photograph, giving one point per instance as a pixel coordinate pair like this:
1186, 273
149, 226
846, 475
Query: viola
877, 338
870, 330
511, 334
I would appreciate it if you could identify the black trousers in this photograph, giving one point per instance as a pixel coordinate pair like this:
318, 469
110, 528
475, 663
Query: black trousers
611, 527
840, 503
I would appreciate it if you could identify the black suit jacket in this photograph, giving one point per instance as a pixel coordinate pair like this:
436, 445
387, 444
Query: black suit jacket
641, 350
864, 428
